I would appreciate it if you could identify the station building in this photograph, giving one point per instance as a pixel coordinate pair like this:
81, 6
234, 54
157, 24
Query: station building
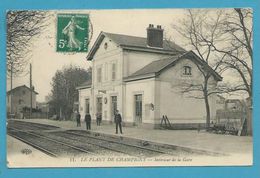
144, 79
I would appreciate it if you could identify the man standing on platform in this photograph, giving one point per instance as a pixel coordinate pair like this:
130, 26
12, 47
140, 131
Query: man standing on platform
78, 119
118, 121
99, 118
88, 121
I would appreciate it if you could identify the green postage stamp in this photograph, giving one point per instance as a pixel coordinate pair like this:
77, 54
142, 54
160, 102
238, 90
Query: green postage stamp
72, 32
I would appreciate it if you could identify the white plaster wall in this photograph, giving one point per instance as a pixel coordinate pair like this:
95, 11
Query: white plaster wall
83, 95
146, 88
106, 107
179, 107
135, 60
104, 58
175, 74
213, 107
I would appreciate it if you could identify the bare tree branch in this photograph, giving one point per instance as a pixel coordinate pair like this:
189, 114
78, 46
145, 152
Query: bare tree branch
22, 27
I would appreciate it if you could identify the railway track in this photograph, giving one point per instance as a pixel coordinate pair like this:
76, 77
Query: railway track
50, 146
31, 132
113, 146
30, 126
33, 144
55, 142
134, 146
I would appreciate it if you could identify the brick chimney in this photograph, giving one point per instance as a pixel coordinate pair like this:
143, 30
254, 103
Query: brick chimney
155, 36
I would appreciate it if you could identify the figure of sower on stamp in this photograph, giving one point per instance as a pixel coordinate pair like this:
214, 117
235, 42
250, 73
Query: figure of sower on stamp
70, 31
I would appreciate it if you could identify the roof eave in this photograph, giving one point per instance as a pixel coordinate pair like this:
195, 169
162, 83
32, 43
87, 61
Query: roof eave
95, 46
139, 77
218, 78
145, 49
13, 90
83, 87
214, 73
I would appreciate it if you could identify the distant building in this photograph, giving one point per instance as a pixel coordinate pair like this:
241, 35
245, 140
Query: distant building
142, 77
19, 98
234, 104
42, 106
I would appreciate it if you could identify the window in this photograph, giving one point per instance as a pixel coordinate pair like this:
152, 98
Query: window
99, 105
87, 105
20, 101
105, 46
113, 71
186, 70
99, 75
138, 108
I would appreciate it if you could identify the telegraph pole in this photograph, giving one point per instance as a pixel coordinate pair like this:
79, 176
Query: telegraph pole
31, 89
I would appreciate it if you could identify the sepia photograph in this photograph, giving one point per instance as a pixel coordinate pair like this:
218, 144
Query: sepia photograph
129, 88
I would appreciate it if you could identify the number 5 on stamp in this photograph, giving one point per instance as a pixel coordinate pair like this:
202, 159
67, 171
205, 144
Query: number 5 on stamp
72, 33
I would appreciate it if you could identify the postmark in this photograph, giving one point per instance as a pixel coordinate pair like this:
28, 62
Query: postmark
72, 32
26, 151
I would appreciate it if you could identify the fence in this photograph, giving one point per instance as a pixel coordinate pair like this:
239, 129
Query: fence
35, 115
230, 118
235, 119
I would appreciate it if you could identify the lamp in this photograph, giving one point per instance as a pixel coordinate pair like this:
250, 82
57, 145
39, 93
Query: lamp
152, 106
102, 91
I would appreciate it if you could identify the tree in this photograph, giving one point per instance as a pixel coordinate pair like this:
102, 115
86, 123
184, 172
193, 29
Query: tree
237, 46
200, 29
22, 27
64, 93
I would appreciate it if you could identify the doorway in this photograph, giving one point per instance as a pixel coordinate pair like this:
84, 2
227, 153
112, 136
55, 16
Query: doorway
138, 108
86, 106
99, 105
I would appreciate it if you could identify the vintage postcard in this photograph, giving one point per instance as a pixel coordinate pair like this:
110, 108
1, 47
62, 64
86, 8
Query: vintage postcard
129, 88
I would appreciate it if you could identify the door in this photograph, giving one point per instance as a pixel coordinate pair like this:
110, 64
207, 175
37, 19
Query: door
138, 108
113, 106
86, 106
99, 105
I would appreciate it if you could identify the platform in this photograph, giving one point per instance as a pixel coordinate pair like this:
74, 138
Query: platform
226, 144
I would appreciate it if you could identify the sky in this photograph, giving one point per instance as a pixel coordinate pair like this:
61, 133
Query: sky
46, 61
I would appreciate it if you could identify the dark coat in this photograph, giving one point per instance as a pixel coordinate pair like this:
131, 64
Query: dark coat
118, 118
78, 116
87, 118
99, 116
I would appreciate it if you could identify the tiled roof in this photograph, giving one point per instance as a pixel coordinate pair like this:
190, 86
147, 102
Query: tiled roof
136, 43
126, 40
155, 66
22, 86
86, 84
